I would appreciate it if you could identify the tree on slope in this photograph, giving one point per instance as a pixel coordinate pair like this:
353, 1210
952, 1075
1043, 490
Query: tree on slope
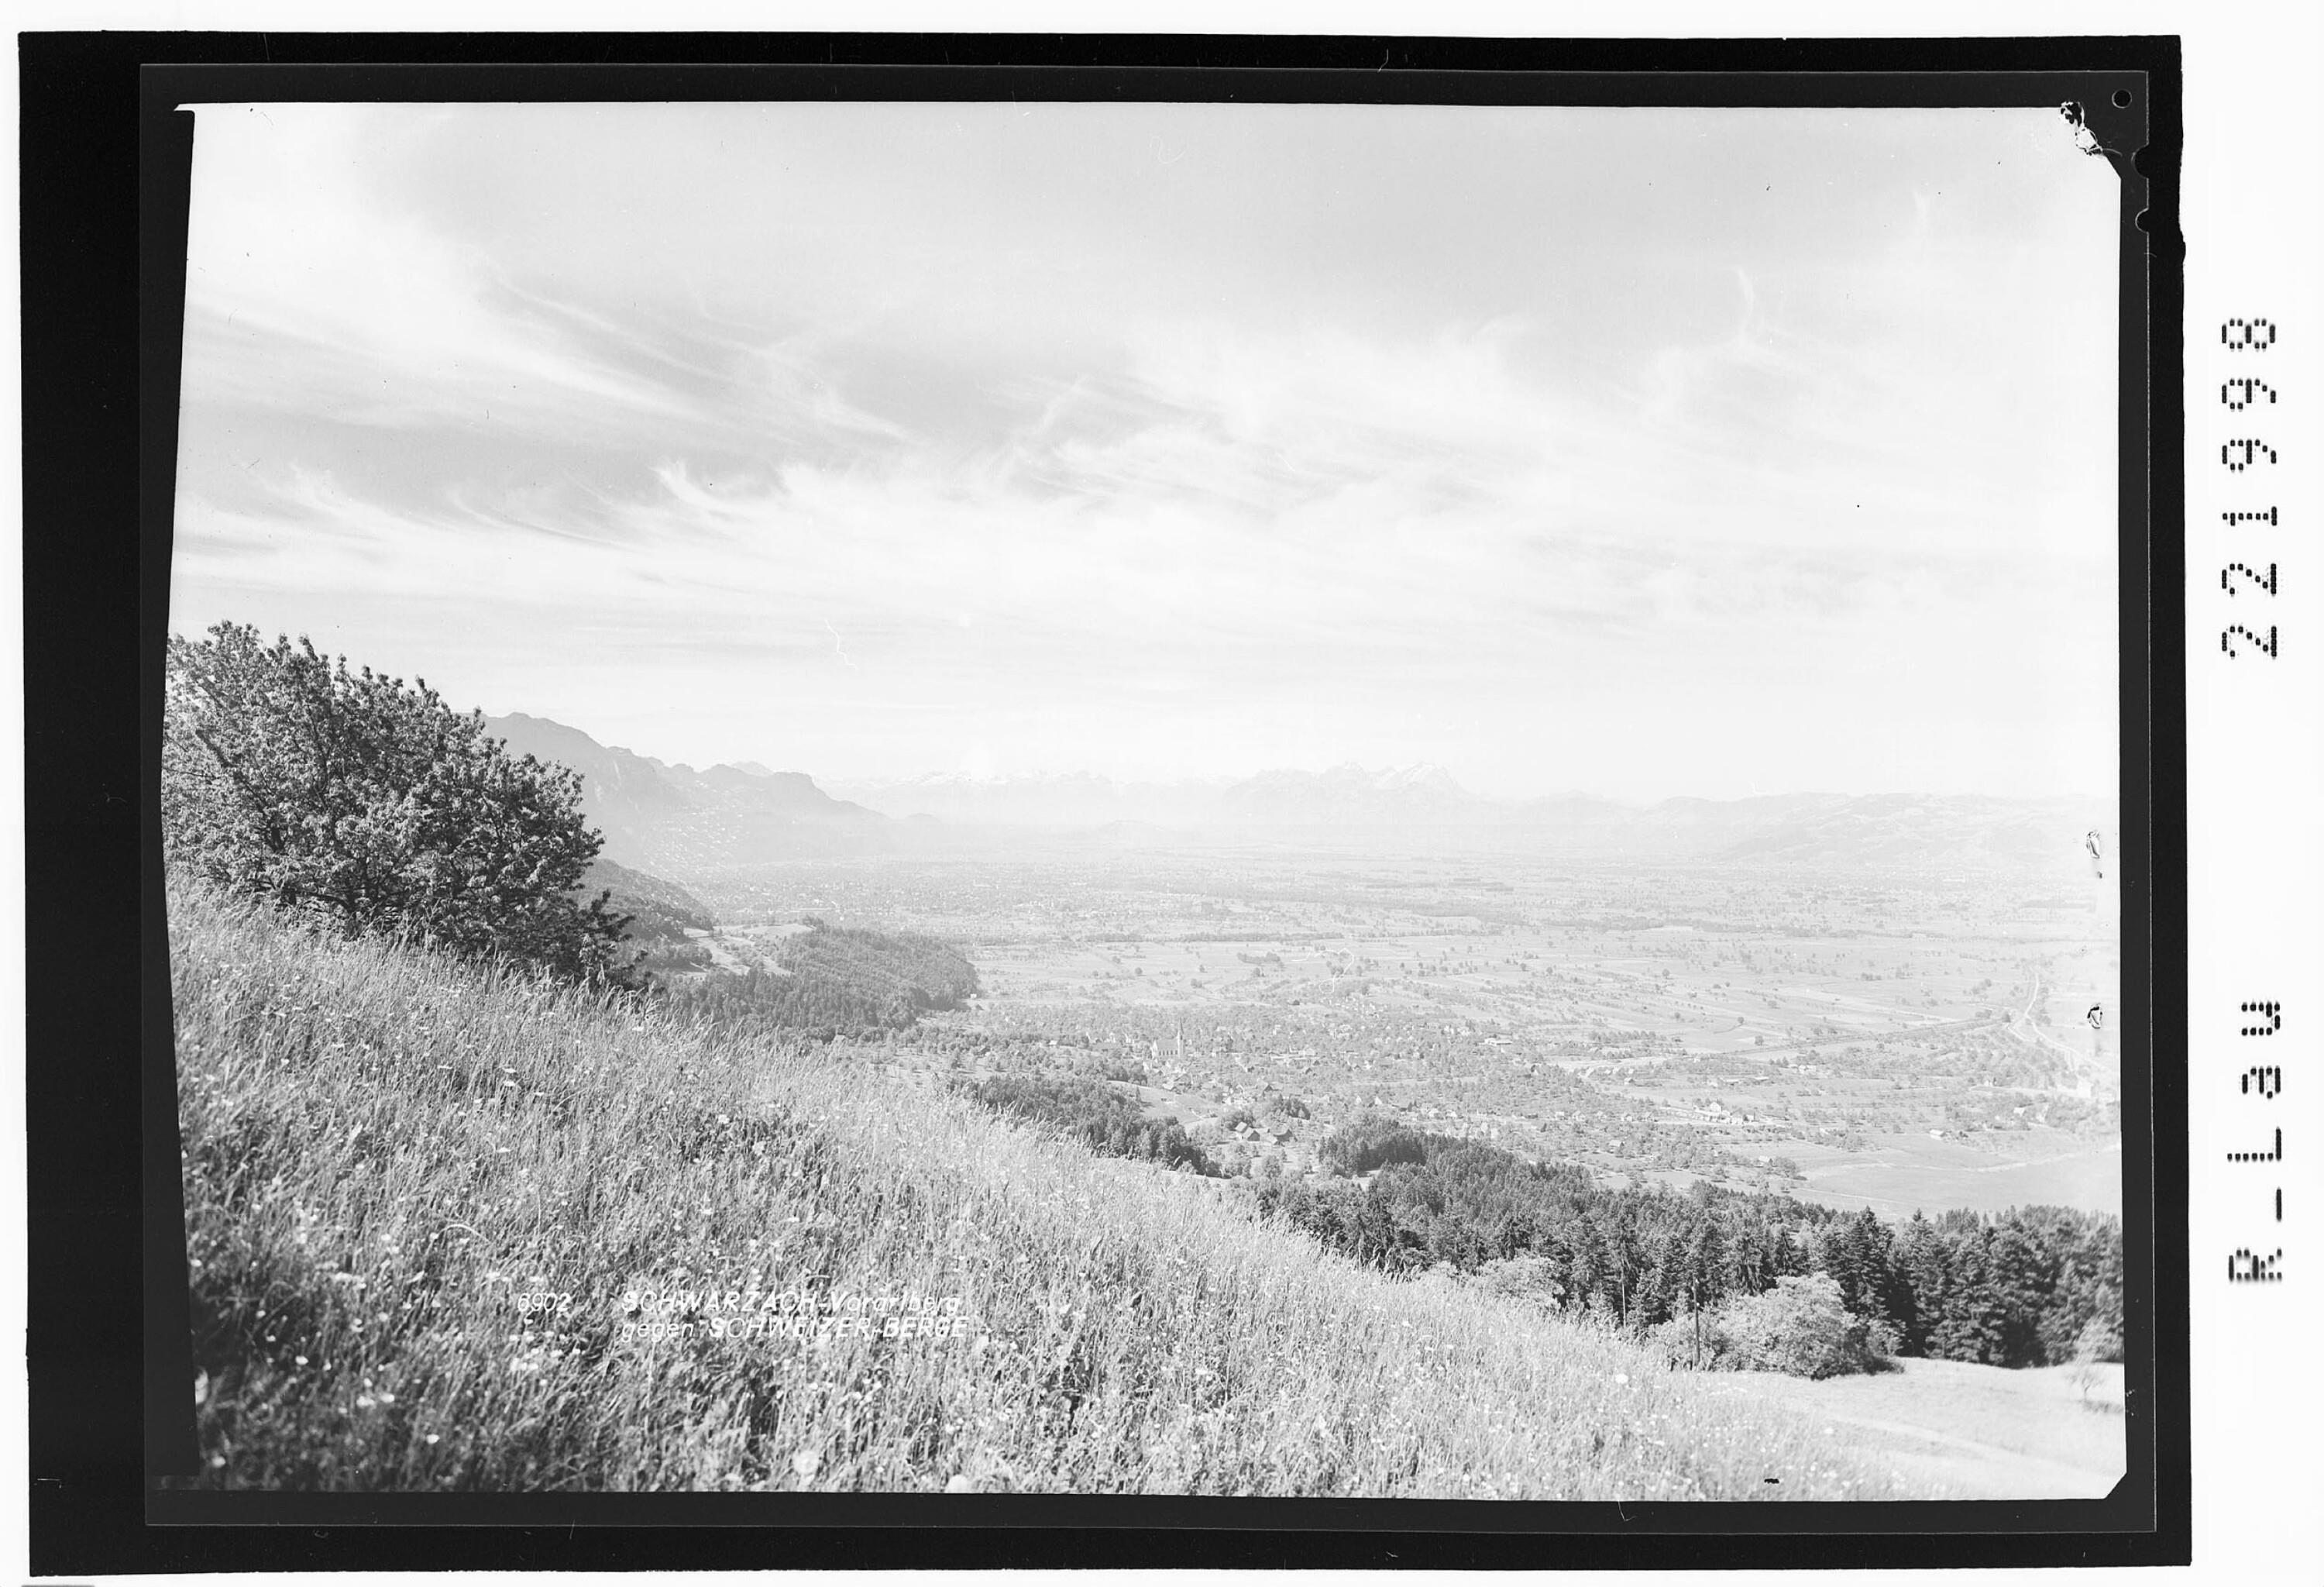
375, 806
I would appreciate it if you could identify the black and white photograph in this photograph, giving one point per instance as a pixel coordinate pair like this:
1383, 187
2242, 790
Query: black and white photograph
1275, 800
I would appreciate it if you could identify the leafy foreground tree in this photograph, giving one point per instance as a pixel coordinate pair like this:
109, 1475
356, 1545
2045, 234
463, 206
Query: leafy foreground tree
351, 797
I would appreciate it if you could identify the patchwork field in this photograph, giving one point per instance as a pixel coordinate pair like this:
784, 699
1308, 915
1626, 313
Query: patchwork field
1900, 1041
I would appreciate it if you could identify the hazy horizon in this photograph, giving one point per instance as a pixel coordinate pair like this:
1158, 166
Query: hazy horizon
829, 782
1650, 453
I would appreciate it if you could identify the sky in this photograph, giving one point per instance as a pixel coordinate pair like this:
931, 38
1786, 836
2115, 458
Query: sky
1639, 452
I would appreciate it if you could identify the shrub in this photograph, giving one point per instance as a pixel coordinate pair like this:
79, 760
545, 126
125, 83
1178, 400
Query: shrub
375, 806
1691, 1339
2100, 1340
1799, 1326
1534, 1280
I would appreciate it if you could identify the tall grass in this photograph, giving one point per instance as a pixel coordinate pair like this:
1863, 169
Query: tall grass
383, 1149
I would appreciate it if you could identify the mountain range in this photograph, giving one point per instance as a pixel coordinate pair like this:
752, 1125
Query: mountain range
673, 820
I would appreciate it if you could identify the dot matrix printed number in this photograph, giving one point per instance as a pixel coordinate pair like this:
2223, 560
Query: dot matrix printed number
2266, 646
2238, 454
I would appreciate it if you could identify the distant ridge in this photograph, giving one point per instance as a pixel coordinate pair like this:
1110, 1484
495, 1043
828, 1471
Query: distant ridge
1349, 795
1896, 828
1057, 801
671, 820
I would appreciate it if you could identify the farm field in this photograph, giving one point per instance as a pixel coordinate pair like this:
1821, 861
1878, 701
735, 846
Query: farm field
1888, 1042
1898, 1173
1971, 1431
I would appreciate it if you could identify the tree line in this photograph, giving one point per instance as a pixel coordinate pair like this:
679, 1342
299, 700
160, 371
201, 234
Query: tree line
2029, 1287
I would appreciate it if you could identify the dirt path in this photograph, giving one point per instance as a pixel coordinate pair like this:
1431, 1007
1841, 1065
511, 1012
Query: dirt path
1986, 1471
1944, 1464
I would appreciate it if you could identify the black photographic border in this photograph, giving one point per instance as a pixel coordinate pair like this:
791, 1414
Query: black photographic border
104, 181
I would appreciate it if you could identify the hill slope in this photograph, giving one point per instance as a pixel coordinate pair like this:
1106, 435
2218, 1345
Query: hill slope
389, 1158
660, 911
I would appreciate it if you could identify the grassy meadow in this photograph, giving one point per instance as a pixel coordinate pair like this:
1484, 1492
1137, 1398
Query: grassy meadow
1980, 1432
384, 1150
